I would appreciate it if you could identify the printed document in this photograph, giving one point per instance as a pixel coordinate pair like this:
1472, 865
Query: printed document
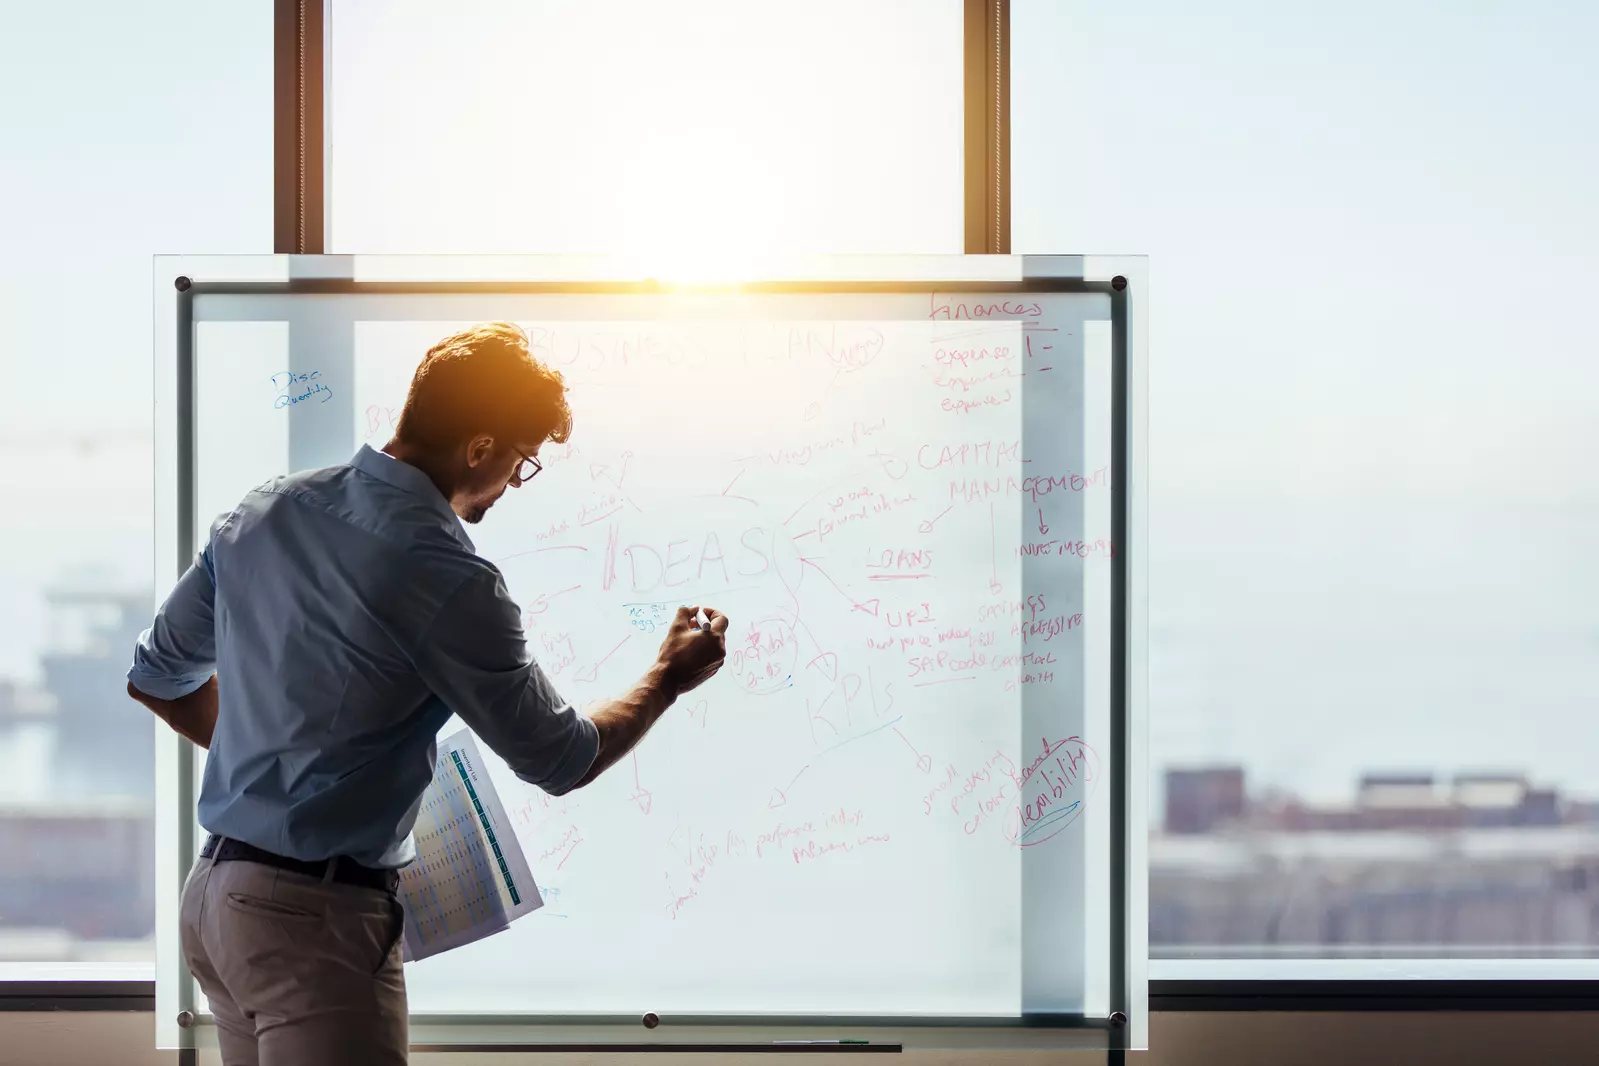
470, 878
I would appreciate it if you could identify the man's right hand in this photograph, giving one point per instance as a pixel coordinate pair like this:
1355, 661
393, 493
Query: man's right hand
692, 653
689, 655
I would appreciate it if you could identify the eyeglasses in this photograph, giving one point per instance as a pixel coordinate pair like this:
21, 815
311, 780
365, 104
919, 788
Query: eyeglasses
528, 467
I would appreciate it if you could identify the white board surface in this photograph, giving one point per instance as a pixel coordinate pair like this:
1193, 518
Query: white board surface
894, 798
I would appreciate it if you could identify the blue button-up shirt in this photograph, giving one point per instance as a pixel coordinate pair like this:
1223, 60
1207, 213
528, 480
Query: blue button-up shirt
346, 614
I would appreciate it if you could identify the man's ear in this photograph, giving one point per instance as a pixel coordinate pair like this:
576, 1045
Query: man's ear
479, 450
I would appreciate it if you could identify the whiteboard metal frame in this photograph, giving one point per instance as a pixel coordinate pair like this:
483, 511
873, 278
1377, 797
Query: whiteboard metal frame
179, 279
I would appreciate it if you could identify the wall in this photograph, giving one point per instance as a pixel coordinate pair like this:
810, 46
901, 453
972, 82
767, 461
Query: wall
1179, 1039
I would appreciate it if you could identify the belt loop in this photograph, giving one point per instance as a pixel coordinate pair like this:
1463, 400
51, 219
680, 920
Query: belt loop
333, 868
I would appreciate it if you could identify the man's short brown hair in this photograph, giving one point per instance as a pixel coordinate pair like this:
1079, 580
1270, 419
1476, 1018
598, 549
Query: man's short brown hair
484, 380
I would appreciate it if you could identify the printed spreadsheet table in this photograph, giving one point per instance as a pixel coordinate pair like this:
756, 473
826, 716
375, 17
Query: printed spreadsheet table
470, 878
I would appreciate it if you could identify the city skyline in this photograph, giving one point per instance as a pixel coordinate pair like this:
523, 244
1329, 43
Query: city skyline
1418, 864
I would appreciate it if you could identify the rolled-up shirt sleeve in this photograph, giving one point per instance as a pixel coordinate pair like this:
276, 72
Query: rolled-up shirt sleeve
178, 653
475, 658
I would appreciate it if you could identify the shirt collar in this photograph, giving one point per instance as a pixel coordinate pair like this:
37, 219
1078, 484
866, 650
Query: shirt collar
404, 476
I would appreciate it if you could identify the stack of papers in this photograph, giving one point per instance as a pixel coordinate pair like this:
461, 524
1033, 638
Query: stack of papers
470, 879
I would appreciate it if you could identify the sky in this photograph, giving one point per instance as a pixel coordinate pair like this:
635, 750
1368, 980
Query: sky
131, 129
1371, 235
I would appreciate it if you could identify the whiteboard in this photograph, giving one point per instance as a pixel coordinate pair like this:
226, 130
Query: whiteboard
899, 799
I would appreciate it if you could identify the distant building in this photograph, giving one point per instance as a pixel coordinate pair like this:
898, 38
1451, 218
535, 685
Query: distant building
1580, 812
20, 704
1542, 806
105, 743
1403, 801
1201, 800
86, 867
1401, 893
76, 815
1502, 800
1422, 802
1413, 866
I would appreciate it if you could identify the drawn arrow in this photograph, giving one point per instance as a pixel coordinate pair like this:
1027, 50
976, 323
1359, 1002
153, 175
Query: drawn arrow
730, 484
594, 671
993, 553
927, 526
599, 470
1042, 528
780, 795
804, 561
641, 795
828, 664
890, 461
924, 763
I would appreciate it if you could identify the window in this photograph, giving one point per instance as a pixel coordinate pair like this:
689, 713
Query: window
1373, 643
675, 133
131, 129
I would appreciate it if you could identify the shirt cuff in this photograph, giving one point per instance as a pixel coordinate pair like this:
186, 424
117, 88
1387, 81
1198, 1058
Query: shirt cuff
580, 756
161, 686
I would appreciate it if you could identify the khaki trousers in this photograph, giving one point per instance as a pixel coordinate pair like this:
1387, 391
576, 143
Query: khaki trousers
298, 970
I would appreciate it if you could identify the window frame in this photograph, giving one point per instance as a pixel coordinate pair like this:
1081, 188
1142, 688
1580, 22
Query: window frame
89, 995
1383, 995
300, 209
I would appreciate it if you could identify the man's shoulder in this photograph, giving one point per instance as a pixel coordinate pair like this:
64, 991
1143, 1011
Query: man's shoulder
346, 495
337, 474
379, 530
317, 479
324, 489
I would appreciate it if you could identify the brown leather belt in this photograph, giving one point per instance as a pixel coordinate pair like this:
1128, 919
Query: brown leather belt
346, 871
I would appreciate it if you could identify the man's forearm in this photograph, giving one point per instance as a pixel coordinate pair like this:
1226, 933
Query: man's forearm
622, 723
194, 716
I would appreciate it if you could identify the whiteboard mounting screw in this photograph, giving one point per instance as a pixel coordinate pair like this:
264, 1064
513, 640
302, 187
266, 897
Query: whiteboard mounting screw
1118, 1020
1118, 283
185, 1019
651, 1020
181, 283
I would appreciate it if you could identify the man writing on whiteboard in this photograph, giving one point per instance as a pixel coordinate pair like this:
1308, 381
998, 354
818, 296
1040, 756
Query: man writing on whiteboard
347, 616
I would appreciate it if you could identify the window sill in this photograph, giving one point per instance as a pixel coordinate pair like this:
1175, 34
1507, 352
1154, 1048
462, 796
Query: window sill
67, 994
1355, 995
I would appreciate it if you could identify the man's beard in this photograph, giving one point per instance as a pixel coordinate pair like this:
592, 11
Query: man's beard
475, 515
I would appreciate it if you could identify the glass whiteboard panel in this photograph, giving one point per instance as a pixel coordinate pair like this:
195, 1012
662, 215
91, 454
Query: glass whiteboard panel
896, 800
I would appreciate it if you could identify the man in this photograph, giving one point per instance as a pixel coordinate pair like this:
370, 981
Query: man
332, 623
